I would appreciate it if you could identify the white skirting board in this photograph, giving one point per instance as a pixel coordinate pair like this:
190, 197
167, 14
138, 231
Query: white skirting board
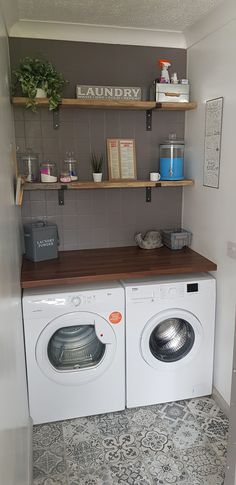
220, 401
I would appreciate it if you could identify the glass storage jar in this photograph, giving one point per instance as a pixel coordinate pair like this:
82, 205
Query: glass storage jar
30, 166
65, 177
71, 166
172, 159
48, 172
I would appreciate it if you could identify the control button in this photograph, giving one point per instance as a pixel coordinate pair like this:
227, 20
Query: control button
172, 292
76, 300
163, 292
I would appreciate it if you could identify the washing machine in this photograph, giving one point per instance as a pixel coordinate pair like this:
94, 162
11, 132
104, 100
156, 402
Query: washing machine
169, 338
74, 339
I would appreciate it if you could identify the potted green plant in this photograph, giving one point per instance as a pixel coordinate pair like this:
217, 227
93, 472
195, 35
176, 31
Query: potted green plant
97, 163
38, 78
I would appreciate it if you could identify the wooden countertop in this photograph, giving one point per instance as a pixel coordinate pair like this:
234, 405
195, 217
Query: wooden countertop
106, 264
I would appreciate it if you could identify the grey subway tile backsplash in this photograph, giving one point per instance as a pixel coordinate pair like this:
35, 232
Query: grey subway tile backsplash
69, 222
36, 144
20, 128
38, 209
69, 209
33, 129
26, 208
101, 218
69, 239
52, 208
37, 195
108, 217
18, 113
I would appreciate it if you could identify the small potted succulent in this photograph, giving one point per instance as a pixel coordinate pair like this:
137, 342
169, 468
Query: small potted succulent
39, 79
97, 163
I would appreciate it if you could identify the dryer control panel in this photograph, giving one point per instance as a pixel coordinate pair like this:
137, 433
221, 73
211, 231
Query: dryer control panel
79, 300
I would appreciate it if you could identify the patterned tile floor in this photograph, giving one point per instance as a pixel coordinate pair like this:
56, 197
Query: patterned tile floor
182, 443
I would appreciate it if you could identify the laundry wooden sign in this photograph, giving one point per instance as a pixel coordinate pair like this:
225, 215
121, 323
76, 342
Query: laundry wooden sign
108, 92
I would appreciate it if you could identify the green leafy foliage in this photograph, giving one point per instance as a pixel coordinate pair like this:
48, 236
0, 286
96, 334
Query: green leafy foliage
97, 163
35, 73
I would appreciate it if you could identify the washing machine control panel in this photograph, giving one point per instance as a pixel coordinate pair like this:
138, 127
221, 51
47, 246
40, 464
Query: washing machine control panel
170, 292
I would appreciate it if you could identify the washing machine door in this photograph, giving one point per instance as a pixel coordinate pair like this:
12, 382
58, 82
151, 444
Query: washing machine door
171, 338
76, 348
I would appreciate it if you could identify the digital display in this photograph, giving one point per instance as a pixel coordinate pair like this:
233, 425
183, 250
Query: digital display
192, 287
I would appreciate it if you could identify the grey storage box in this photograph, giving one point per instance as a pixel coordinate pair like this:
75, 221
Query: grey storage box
176, 239
41, 241
172, 93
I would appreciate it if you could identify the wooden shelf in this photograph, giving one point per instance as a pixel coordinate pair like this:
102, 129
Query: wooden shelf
110, 104
90, 265
177, 106
106, 185
91, 103
175, 183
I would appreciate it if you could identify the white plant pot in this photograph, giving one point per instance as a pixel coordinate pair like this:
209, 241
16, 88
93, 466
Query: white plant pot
97, 177
40, 93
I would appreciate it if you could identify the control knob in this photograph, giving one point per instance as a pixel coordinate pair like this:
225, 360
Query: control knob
76, 301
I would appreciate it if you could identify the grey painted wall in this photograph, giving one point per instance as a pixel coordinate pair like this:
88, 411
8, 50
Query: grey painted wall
108, 217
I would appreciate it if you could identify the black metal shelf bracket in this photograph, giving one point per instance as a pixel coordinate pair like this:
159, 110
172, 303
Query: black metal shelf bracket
61, 200
149, 120
56, 119
148, 194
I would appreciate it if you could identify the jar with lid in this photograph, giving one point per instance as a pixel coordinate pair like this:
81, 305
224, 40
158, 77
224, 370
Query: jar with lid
48, 172
172, 159
65, 177
30, 166
71, 166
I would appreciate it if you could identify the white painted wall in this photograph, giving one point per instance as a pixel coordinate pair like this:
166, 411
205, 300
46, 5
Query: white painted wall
11, 12
15, 429
104, 34
210, 213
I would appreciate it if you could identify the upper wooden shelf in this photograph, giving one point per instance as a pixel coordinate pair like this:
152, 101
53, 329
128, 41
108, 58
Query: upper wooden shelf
176, 106
107, 185
107, 104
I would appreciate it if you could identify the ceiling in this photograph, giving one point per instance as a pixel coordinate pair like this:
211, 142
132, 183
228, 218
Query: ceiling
171, 15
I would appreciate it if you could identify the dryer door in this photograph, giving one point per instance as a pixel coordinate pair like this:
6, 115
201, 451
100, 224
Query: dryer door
171, 337
76, 348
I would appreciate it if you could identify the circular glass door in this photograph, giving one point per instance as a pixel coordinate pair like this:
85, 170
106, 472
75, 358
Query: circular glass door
171, 340
76, 347
171, 337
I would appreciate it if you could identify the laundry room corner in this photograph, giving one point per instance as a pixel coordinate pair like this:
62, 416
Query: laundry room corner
117, 242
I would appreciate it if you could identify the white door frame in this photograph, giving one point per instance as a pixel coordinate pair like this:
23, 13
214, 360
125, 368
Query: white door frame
230, 477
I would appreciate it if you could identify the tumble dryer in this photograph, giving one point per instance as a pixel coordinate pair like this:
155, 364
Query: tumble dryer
74, 338
169, 338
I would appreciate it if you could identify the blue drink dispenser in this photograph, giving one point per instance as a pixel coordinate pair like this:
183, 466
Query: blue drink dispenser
172, 159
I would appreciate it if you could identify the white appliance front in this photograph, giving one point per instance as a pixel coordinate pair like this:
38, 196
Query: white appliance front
74, 340
169, 338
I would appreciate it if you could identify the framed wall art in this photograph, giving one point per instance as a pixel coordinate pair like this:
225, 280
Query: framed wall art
121, 159
213, 130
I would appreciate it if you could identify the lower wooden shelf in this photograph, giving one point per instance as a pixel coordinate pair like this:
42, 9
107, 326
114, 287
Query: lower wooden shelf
106, 184
88, 185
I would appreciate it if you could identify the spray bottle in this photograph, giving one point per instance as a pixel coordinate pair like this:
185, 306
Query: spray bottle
164, 64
